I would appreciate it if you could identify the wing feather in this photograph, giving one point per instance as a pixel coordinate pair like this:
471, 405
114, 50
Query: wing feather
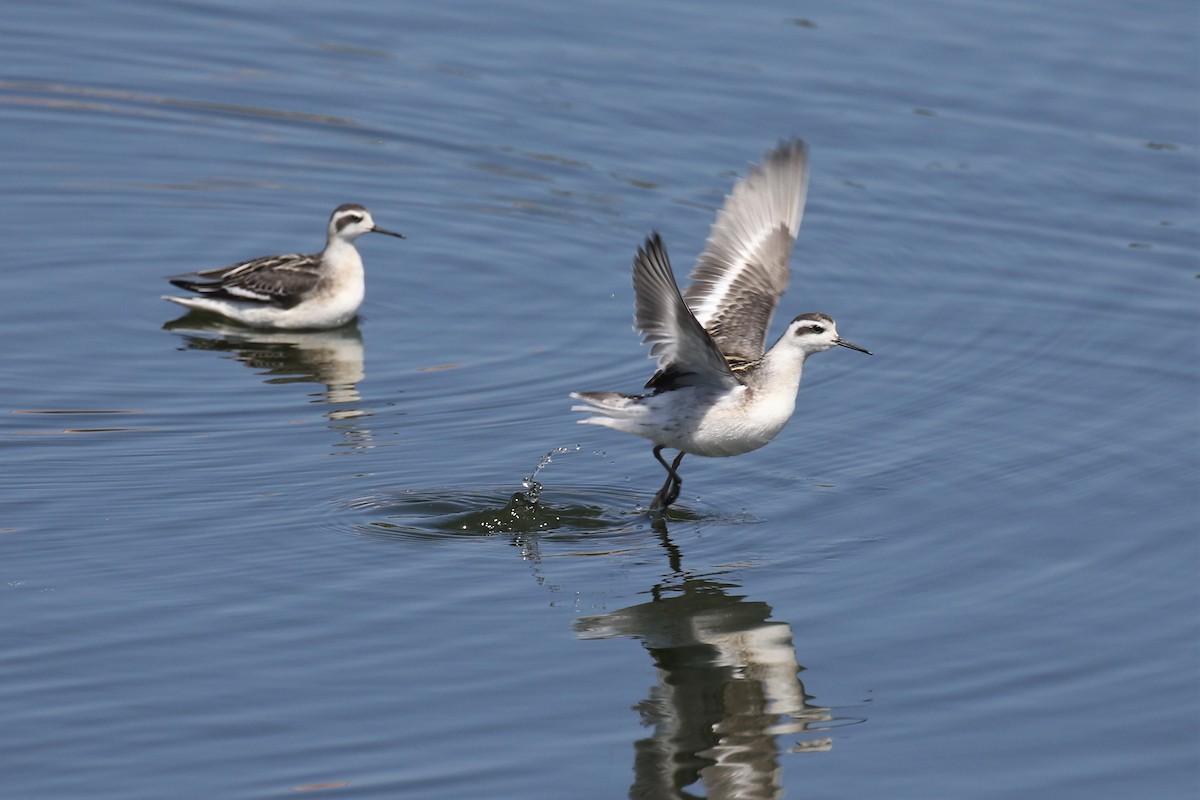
743, 271
687, 355
283, 280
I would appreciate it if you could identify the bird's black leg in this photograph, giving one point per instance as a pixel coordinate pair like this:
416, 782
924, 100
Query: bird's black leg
669, 492
662, 493
674, 495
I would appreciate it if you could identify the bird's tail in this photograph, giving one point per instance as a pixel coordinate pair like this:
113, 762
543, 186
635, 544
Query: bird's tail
608, 408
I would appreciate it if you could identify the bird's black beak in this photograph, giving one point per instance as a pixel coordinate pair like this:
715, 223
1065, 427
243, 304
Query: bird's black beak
386, 232
852, 346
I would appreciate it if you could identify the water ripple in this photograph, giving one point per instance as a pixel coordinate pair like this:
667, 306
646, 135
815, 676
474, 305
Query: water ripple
451, 511
597, 514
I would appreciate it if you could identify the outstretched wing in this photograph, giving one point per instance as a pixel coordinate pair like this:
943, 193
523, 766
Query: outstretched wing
283, 280
686, 354
744, 270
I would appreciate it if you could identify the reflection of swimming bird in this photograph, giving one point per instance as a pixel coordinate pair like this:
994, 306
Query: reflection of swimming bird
332, 357
292, 291
717, 390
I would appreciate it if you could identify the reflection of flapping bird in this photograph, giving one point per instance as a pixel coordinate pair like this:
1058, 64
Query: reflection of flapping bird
728, 685
717, 390
292, 291
333, 358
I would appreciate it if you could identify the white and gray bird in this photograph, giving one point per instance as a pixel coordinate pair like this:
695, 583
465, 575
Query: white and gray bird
292, 291
718, 391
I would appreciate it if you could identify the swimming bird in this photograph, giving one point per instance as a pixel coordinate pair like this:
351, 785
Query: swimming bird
292, 291
718, 391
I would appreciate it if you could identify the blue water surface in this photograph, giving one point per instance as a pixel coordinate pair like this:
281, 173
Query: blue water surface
384, 561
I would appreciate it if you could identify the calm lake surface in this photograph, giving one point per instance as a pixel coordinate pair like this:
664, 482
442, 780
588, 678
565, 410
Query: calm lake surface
385, 562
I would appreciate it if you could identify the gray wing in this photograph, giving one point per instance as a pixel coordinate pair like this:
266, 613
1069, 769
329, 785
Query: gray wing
686, 354
284, 280
744, 270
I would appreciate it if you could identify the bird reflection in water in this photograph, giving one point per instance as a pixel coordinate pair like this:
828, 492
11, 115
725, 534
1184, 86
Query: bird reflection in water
333, 358
728, 685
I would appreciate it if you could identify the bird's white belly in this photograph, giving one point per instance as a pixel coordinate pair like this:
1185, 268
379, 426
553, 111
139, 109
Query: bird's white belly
732, 425
328, 309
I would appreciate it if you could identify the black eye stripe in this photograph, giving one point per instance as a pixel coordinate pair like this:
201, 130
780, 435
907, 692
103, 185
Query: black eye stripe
347, 220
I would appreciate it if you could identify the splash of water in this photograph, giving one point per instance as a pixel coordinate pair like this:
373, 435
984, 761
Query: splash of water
533, 489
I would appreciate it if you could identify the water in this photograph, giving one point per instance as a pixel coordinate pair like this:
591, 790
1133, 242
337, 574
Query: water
385, 562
